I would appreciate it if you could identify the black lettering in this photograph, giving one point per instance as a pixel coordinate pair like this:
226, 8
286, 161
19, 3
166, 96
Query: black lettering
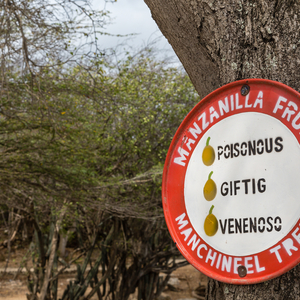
277, 228
246, 181
230, 188
236, 187
230, 226
251, 148
220, 151
261, 187
238, 225
249, 225
261, 229
245, 225
224, 190
223, 228
269, 229
253, 186
252, 225
227, 150
254, 147
236, 149
269, 148
244, 152
277, 143
260, 147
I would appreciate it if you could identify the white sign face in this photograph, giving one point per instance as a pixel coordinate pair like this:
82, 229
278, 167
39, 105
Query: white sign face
257, 188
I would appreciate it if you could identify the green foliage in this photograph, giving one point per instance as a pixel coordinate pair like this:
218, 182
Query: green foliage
83, 139
79, 137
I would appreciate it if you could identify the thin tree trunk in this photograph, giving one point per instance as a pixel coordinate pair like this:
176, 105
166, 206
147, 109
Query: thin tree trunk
49, 266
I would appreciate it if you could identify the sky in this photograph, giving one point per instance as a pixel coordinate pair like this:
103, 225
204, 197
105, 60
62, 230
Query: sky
132, 17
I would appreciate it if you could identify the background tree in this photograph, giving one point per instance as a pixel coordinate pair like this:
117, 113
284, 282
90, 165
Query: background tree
83, 138
88, 160
223, 41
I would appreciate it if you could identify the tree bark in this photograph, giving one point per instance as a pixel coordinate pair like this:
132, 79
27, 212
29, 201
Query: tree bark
220, 41
49, 268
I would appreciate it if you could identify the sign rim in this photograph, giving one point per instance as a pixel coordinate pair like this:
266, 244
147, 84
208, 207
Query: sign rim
176, 139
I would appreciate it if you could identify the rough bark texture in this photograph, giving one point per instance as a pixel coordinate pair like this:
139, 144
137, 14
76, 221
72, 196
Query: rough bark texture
285, 287
220, 41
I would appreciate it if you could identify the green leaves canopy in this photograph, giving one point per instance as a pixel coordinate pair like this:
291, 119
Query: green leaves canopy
90, 137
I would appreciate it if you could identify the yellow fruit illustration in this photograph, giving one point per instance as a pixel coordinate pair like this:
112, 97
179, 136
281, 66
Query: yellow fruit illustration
208, 154
211, 223
210, 188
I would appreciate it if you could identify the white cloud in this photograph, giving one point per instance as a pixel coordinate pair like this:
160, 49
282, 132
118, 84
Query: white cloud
132, 17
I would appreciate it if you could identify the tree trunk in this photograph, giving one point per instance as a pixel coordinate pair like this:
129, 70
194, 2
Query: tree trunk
220, 41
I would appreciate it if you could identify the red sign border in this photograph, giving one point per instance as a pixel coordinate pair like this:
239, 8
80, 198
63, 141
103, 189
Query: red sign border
173, 182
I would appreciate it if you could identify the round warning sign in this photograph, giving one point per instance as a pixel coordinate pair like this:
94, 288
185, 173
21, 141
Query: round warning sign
230, 183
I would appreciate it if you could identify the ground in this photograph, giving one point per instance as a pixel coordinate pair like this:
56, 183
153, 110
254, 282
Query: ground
186, 283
